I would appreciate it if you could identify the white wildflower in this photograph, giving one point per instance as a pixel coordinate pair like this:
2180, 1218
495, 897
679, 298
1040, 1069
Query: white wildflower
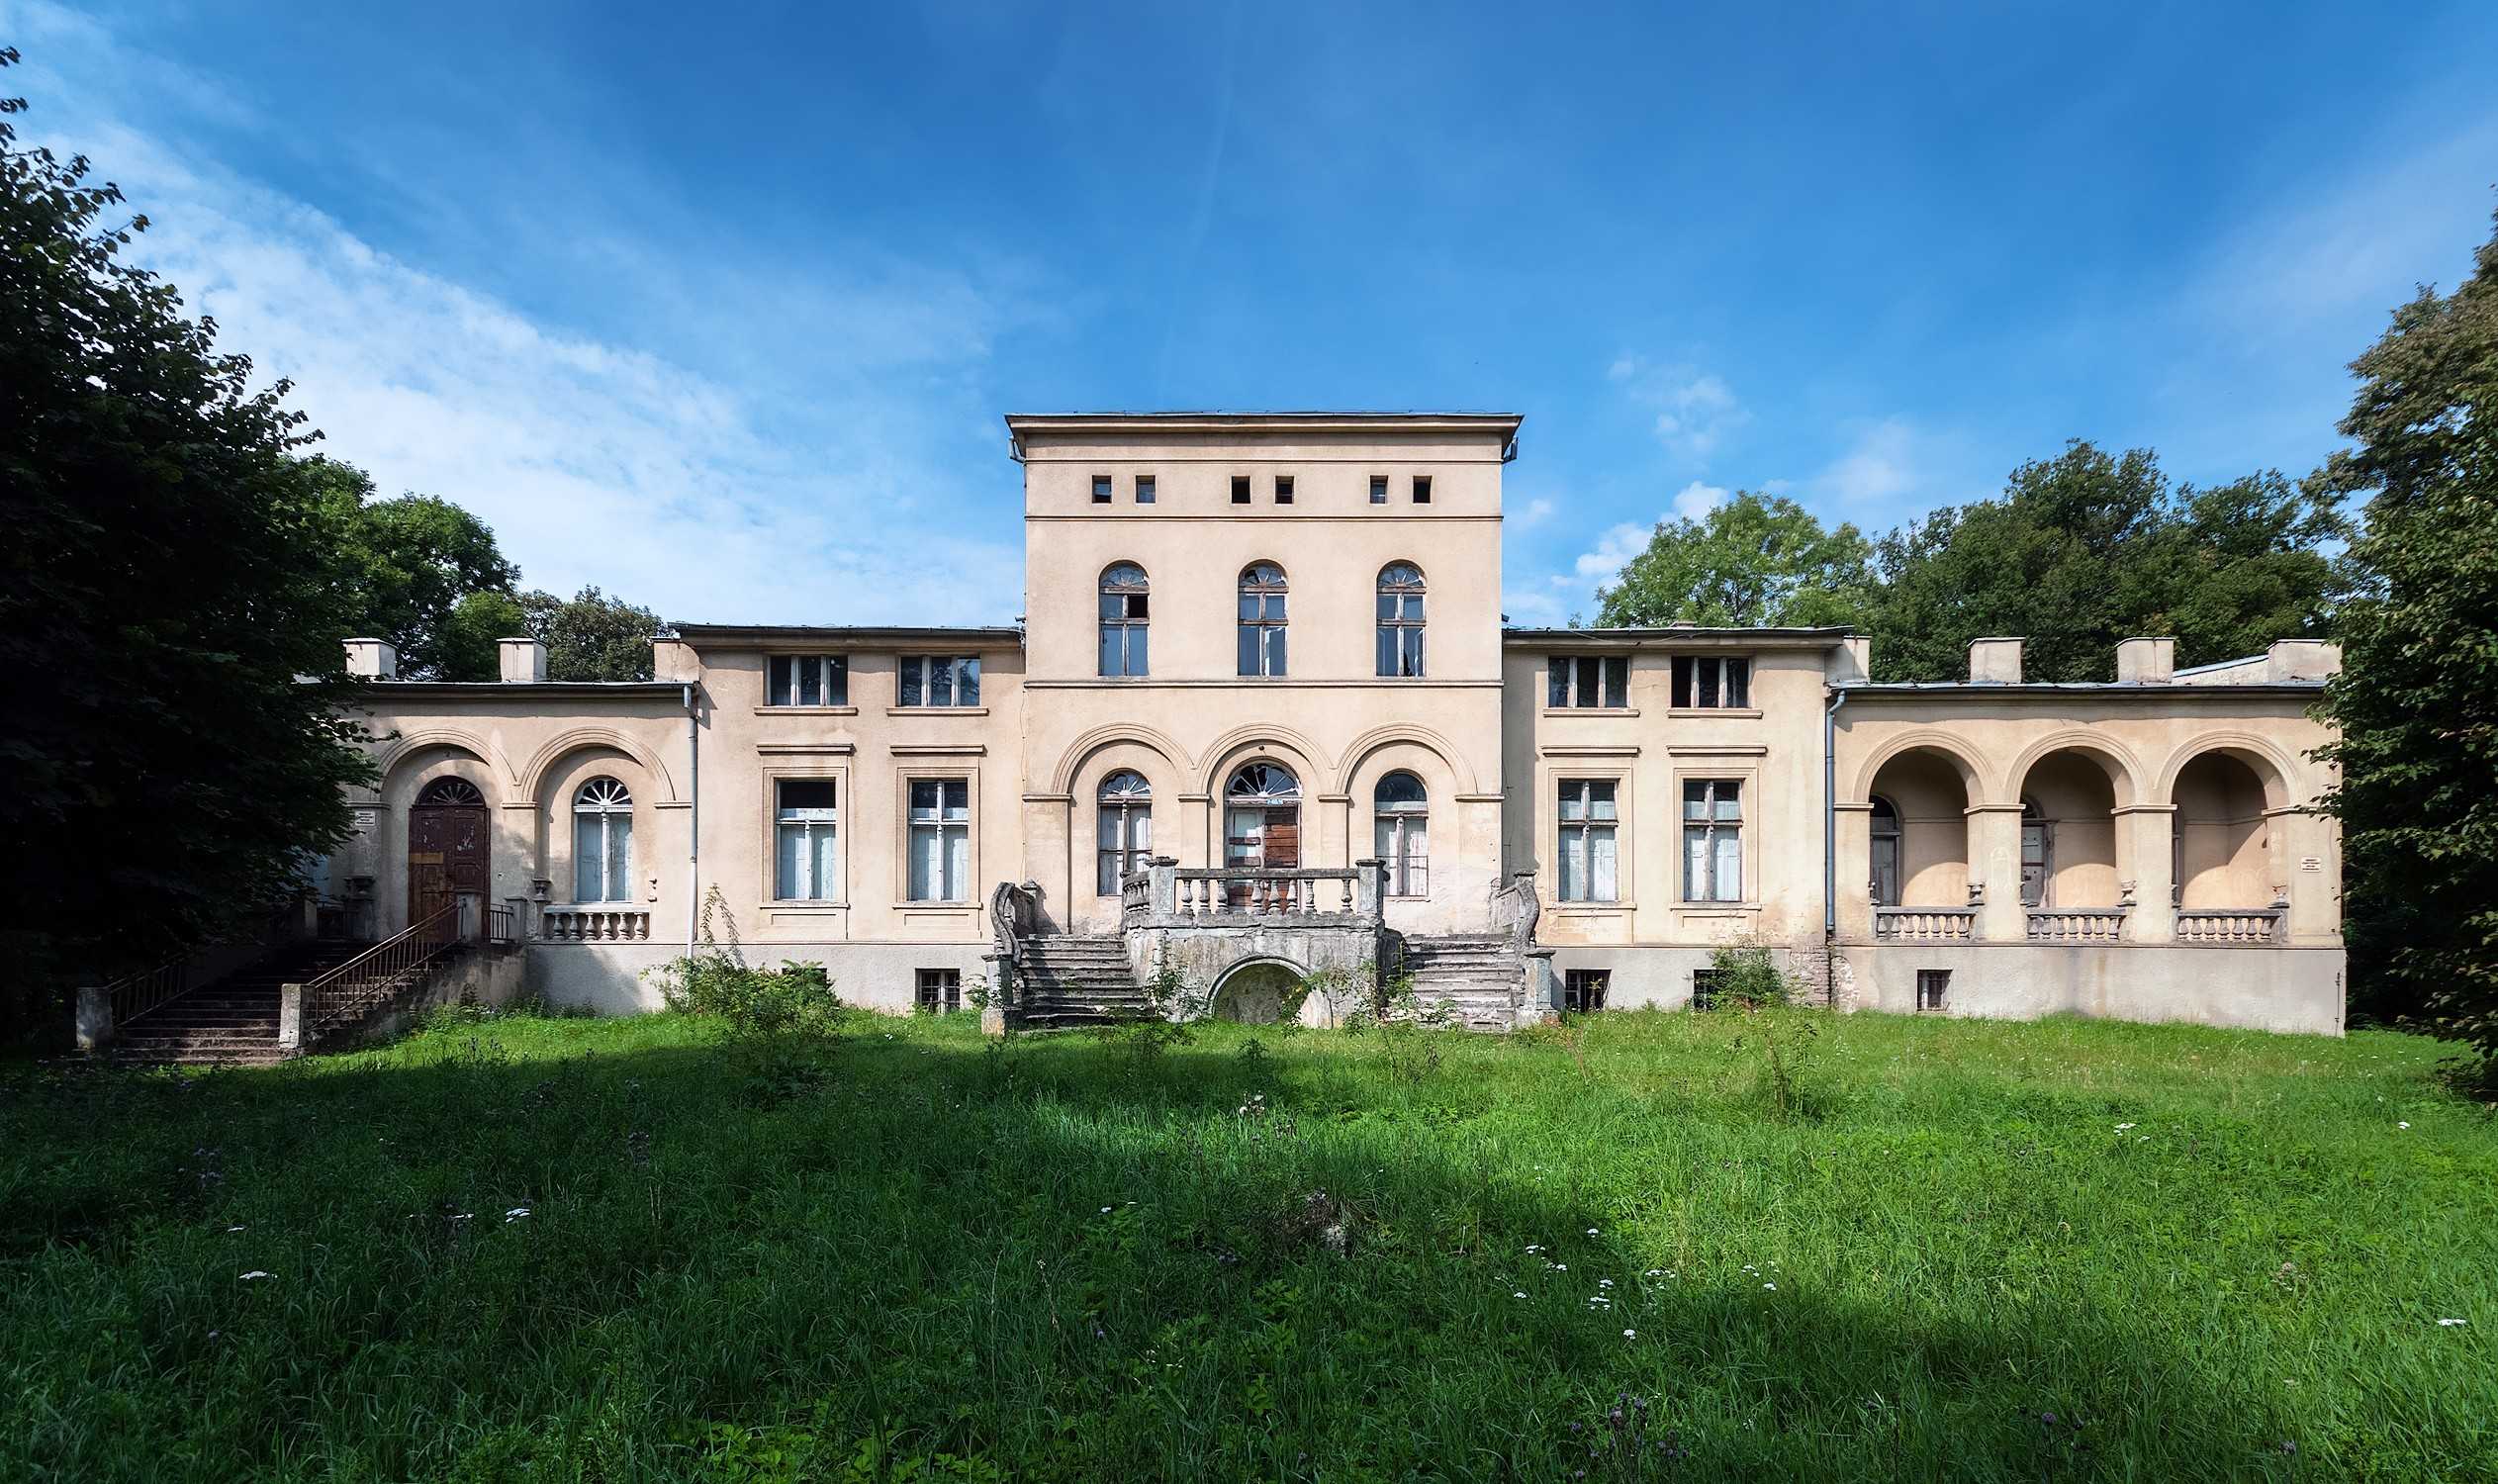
2448, 1322
233, 1228
1772, 1287
515, 1213
2402, 1125
2123, 1127
1630, 1334
1561, 1267
254, 1273
1522, 1293
1591, 1231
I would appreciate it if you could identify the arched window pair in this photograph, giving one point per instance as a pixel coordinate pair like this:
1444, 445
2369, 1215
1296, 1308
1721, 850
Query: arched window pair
602, 842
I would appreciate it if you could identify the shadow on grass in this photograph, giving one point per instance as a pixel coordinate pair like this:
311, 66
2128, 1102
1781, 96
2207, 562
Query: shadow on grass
1052, 1258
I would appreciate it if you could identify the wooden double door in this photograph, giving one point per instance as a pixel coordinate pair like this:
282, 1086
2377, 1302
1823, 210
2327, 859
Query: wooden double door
447, 847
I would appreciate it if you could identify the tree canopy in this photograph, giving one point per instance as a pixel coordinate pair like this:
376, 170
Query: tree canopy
404, 566
2417, 701
1752, 560
165, 590
589, 637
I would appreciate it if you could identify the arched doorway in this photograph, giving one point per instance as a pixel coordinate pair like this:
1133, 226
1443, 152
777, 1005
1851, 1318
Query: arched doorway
1254, 992
1261, 818
446, 846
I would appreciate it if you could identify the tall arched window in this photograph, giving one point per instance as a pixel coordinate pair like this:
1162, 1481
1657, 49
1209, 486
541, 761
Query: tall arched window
1400, 810
1126, 831
1262, 619
1883, 876
1123, 619
2038, 853
602, 842
1401, 619
1261, 817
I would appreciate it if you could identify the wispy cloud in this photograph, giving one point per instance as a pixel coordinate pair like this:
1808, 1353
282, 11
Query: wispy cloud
1694, 410
1534, 512
593, 461
1881, 465
1695, 501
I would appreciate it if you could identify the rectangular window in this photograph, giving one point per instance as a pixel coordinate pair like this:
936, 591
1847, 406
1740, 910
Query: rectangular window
1583, 990
1711, 683
1378, 489
1240, 489
1284, 489
1588, 855
1933, 986
1422, 489
1705, 989
1587, 679
940, 991
806, 862
1145, 489
941, 839
1101, 489
1712, 839
939, 679
807, 680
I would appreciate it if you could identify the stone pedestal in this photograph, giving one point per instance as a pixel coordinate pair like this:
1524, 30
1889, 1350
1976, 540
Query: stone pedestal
95, 1017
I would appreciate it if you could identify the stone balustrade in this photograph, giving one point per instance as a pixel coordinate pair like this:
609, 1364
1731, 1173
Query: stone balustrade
1925, 924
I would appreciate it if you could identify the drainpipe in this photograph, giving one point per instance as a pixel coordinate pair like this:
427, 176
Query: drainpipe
1831, 847
693, 817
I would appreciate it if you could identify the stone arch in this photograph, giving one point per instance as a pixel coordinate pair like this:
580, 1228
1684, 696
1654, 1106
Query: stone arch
2124, 770
500, 784
1358, 754
1080, 753
1945, 744
551, 827
1267, 741
531, 782
2271, 762
1252, 991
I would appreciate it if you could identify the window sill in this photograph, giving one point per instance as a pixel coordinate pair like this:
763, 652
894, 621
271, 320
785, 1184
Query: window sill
1591, 710
1716, 906
1593, 906
805, 905
934, 906
1733, 713
772, 711
936, 711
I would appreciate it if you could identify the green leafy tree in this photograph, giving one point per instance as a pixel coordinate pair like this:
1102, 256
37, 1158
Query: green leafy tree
2417, 701
1755, 559
164, 592
591, 636
404, 564
2090, 547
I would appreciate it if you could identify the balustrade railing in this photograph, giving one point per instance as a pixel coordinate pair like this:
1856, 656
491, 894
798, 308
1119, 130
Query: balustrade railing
593, 924
1135, 897
1265, 893
2085, 925
381, 971
1925, 924
2230, 925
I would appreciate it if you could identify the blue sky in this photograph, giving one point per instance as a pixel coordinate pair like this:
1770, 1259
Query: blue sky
717, 306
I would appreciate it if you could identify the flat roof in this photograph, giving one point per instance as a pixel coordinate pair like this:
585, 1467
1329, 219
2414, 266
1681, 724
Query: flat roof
1644, 638
671, 690
2067, 688
991, 635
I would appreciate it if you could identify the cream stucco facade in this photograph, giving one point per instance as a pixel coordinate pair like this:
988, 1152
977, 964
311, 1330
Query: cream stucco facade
1272, 645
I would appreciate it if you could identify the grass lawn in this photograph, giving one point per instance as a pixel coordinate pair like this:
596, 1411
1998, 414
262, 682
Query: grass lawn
617, 1249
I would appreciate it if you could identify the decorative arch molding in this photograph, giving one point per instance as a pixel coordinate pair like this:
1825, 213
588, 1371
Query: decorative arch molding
1308, 761
1379, 738
2286, 771
1237, 968
395, 752
543, 763
1083, 749
1948, 745
2127, 779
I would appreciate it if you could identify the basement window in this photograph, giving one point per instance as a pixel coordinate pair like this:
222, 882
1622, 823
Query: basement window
1933, 986
1240, 489
807, 680
1583, 990
1705, 984
940, 991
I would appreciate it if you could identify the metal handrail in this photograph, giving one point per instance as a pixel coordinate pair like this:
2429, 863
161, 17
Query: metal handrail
138, 994
329, 997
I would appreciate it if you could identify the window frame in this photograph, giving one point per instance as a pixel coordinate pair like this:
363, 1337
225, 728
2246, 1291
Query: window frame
1575, 983
910, 829
1727, 678
1711, 824
936, 991
1284, 489
1129, 808
1407, 869
922, 670
1132, 626
1389, 646
1241, 489
1587, 827
1145, 489
832, 681
1106, 489
838, 894
1875, 836
1422, 489
605, 812
1273, 626
1934, 992
1378, 489
1610, 673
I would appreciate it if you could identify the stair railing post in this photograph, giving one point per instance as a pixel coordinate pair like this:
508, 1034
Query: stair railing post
289, 1020
1163, 896
1373, 887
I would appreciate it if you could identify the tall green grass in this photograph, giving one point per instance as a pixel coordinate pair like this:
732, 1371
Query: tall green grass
1930, 1249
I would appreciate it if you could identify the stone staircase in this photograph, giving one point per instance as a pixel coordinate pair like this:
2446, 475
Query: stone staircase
1070, 978
233, 1021
1480, 972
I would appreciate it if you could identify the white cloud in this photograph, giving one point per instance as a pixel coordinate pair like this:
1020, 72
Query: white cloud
1697, 499
597, 462
1695, 410
1534, 512
1880, 464
1612, 551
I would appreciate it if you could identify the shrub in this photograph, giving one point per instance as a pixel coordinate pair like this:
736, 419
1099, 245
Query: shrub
716, 982
1746, 976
